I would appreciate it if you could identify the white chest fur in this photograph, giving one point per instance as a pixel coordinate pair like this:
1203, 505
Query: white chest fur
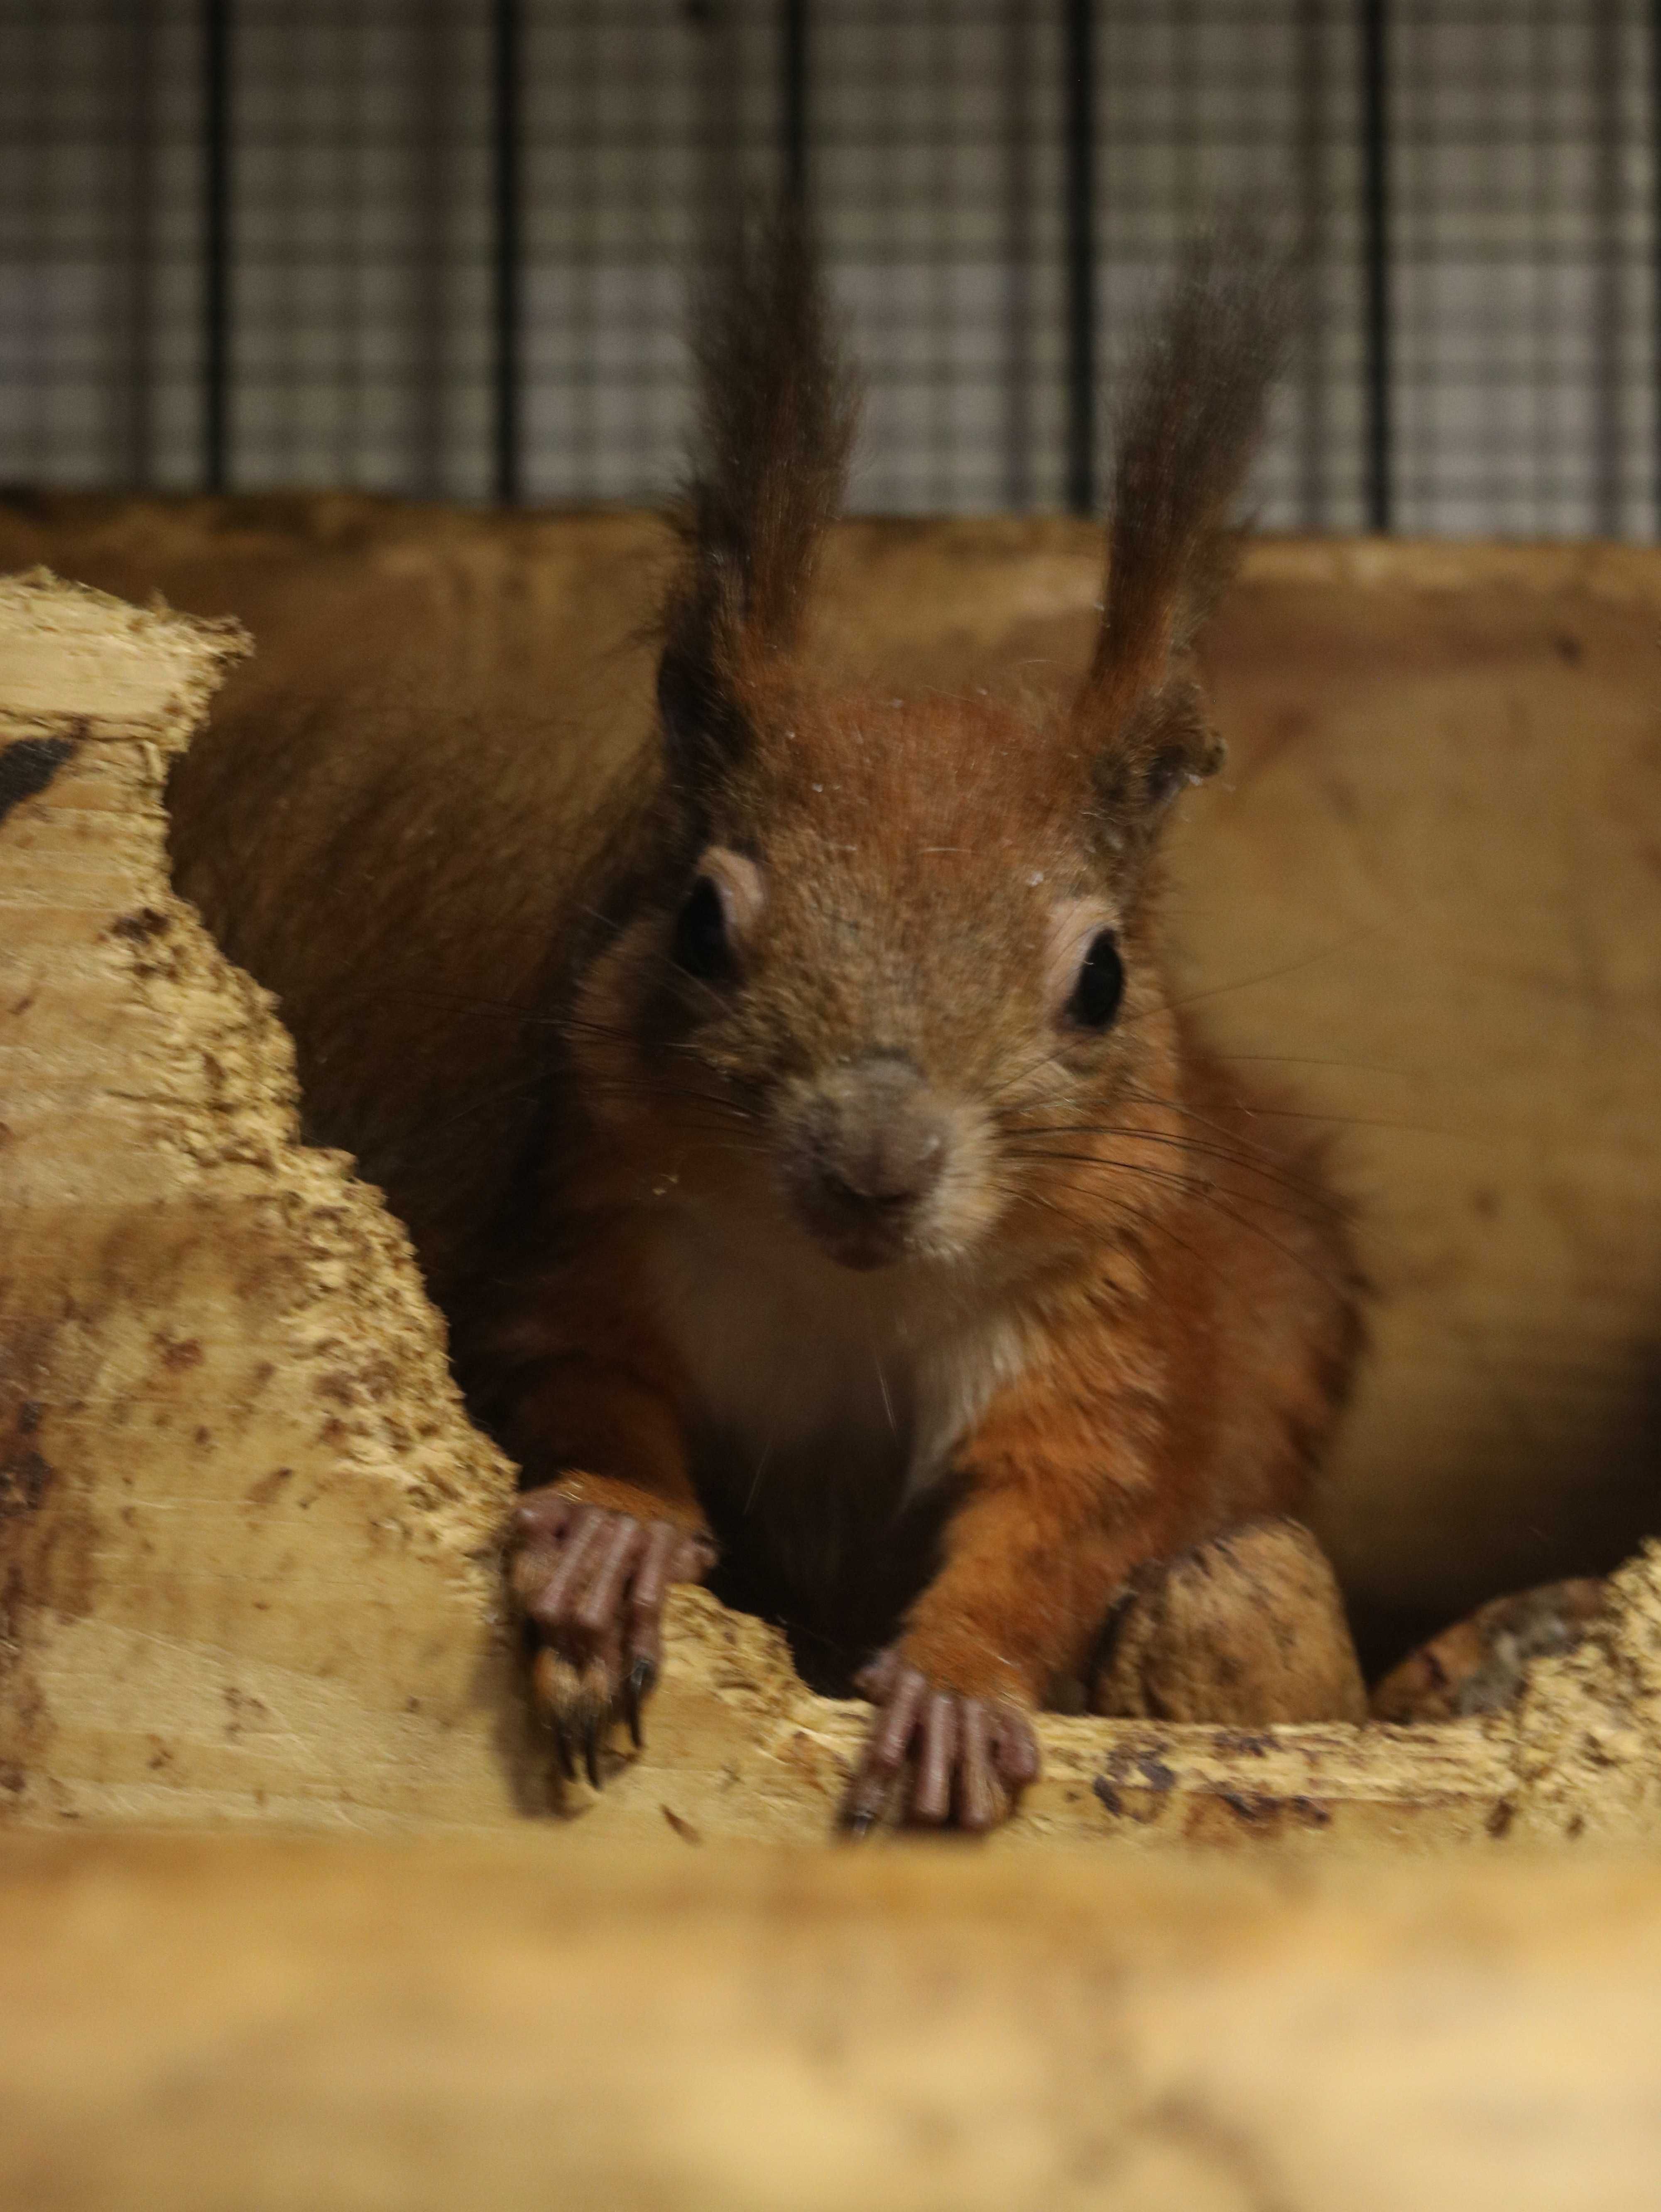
798, 1364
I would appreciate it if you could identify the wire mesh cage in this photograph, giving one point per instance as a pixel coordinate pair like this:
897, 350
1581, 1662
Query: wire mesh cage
441, 247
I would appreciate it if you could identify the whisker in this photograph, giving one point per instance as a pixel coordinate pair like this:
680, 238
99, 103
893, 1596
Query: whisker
1274, 974
1195, 1186
1234, 1155
1087, 1226
644, 1088
469, 1000
761, 1469
502, 1094
1353, 1122
1206, 1194
1289, 1113
1306, 1060
887, 1402
1135, 1095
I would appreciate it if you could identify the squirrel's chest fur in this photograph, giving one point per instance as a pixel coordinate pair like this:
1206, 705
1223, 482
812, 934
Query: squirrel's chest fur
822, 1401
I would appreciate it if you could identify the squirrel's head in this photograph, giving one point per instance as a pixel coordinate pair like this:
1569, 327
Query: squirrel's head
893, 974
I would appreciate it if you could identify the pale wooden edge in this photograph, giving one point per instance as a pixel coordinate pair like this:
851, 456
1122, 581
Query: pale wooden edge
509, 2023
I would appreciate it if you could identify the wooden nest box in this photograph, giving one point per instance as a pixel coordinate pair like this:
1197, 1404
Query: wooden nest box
248, 1540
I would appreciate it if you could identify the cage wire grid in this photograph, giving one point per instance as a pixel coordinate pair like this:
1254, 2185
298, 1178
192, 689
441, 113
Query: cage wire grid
441, 246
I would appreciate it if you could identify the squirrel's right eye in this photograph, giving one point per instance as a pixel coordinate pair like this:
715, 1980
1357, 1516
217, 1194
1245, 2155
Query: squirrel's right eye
1100, 984
701, 945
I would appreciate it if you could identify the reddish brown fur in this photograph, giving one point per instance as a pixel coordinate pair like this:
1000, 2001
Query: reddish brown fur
1174, 1277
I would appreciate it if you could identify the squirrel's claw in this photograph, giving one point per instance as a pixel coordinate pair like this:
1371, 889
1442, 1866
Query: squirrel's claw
591, 1584
946, 1758
638, 1685
562, 1756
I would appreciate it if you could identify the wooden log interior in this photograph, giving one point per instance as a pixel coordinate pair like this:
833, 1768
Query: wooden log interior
248, 1538
1429, 885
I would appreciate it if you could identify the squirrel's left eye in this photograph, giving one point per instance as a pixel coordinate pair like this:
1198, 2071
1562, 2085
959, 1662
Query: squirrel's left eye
1100, 984
701, 946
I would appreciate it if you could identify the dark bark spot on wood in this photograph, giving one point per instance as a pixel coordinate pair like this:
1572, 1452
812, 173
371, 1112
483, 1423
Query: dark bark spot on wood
139, 928
27, 765
1241, 1743
268, 1486
1154, 1772
1254, 1807
25, 1479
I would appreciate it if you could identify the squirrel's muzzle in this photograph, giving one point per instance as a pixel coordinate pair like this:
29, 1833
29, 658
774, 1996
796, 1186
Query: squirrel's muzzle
864, 1149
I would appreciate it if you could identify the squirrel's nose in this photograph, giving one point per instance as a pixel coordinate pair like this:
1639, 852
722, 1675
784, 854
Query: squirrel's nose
876, 1143
884, 1141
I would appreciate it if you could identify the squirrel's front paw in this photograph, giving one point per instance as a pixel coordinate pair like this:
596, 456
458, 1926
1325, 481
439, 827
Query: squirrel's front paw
591, 1581
939, 1756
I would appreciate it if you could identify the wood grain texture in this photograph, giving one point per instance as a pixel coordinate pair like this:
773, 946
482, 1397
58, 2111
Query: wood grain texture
247, 1564
533, 2022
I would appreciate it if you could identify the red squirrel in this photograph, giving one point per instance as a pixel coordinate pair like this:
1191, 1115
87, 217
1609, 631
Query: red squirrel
894, 1233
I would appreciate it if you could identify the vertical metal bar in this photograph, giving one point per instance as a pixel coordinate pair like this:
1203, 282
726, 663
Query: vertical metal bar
1313, 458
508, 64
1188, 129
1375, 245
279, 426
1609, 152
34, 371
1517, 471
792, 40
430, 222
1018, 249
217, 32
1079, 66
134, 101
936, 290
718, 46
580, 43
351, 220
1655, 248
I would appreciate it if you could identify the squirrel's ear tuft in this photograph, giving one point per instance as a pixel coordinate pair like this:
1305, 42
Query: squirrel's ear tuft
1189, 421
1166, 742
777, 409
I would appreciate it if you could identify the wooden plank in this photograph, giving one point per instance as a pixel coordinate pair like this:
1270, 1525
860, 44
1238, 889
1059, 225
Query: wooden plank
536, 2021
246, 1542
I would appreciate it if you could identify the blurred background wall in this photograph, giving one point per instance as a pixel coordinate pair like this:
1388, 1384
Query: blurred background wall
440, 246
